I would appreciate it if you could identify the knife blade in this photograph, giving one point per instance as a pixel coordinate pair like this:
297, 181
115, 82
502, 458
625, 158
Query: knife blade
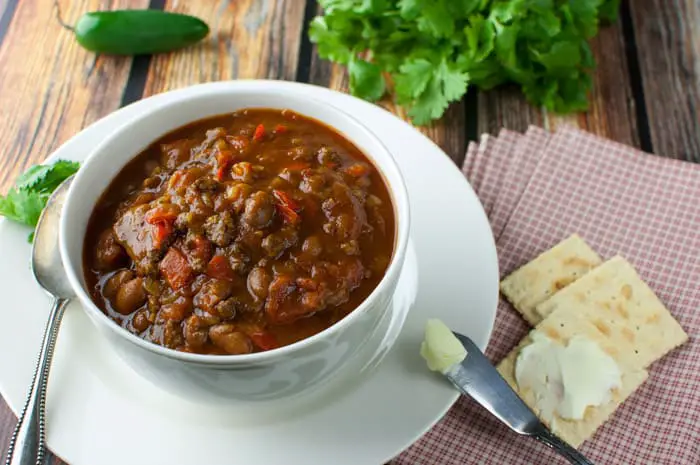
476, 377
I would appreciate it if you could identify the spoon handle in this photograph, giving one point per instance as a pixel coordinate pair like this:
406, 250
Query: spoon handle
27, 445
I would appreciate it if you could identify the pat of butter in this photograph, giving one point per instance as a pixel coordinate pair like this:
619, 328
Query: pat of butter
566, 379
441, 349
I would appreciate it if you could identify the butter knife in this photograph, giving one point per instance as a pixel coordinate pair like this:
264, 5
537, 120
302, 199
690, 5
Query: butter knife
477, 378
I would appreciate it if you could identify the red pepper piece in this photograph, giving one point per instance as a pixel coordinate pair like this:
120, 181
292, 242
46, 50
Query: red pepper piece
223, 161
176, 268
264, 340
297, 166
284, 199
259, 133
287, 207
162, 213
357, 170
220, 268
161, 232
162, 218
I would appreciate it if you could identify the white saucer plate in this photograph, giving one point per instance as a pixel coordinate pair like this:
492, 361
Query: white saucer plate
100, 412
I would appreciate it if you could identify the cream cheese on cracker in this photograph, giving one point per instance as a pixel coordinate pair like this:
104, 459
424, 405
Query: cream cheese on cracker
566, 379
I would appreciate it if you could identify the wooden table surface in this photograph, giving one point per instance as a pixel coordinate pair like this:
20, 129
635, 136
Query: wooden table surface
647, 86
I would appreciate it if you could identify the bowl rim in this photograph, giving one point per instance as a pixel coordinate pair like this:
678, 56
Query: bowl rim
397, 190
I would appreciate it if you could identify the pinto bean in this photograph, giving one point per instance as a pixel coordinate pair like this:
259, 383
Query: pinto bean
130, 296
109, 254
258, 282
196, 332
259, 210
226, 337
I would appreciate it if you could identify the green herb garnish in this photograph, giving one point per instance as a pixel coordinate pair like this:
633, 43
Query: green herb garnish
25, 201
434, 49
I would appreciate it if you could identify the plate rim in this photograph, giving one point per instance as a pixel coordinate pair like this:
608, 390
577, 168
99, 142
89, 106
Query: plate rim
447, 162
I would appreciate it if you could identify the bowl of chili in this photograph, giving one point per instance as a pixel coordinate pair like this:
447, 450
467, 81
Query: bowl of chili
238, 244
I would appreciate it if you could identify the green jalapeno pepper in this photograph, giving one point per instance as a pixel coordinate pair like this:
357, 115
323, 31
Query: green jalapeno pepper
138, 32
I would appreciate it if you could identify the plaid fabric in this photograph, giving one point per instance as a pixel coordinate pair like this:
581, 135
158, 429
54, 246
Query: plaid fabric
467, 166
480, 160
621, 201
491, 183
516, 176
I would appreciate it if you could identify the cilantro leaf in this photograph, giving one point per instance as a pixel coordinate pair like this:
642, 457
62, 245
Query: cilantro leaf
46, 178
25, 201
454, 82
23, 206
430, 105
366, 80
413, 79
609, 9
446, 85
480, 34
436, 19
330, 46
434, 49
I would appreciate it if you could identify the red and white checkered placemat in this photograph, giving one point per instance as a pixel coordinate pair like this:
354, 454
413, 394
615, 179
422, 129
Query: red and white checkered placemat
621, 201
491, 182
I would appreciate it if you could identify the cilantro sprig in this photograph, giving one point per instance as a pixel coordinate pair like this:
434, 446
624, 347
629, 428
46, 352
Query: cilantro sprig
433, 50
25, 201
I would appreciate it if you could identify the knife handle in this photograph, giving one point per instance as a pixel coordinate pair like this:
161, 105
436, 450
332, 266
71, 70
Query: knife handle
561, 447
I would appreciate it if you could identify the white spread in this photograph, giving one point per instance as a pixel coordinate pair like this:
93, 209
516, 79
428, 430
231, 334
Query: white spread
566, 379
441, 349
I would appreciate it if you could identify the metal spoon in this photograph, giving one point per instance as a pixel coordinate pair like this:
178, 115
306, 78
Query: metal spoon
28, 443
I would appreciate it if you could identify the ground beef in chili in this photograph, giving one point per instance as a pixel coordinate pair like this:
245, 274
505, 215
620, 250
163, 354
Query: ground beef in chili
240, 233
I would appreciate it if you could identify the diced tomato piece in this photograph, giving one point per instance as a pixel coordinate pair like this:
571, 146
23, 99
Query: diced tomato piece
357, 170
224, 160
181, 179
199, 249
287, 207
280, 129
176, 268
284, 199
264, 340
221, 173
298, 166
162, 213
220, 268
162, 218
161, 232
259, 133
288, 215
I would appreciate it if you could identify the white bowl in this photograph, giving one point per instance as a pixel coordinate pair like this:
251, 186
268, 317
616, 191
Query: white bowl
278, 373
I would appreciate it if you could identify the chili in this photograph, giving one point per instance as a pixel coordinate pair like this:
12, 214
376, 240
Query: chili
224, 238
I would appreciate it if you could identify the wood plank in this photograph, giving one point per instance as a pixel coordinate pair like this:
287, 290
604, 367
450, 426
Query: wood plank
667, 40
505, 107
448, 133
611, 112
52, 87
249, 39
